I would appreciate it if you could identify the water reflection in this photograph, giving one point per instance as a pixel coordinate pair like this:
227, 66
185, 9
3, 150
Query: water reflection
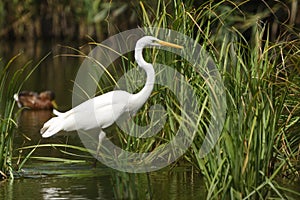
28, 134
181, 183
57, 188
30, 121
76, 188
104, 183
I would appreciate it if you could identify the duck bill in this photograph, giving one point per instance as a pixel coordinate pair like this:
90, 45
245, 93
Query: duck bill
54, 104
168, 44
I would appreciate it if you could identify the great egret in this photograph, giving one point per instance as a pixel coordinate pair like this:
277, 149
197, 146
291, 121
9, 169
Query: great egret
33, 100
110, 106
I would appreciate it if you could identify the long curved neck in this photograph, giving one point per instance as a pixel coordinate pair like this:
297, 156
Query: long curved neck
141, 97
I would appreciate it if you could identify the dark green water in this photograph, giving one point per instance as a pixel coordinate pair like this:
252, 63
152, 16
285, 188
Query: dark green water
78, 180
103, 183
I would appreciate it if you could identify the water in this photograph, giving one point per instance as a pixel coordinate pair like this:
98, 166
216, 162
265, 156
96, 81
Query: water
106, 184
57, 188
81, 180
78, 179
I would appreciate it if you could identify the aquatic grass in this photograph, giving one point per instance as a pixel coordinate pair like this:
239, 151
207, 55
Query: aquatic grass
11, 82
253, 117
72, 154
244, 162
65, 168
131, 186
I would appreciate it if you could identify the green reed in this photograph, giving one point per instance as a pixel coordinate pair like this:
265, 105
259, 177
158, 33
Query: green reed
11, 82
250, 153
9, 85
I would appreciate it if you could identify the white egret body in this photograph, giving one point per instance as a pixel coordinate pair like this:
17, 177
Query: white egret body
109, 106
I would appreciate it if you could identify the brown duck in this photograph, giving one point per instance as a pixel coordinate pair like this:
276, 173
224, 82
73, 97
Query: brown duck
33, 100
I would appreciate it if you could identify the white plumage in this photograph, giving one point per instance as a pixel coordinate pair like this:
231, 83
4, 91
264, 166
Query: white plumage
107, 108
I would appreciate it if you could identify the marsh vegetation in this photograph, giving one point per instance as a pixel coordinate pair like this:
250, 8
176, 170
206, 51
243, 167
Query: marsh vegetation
256, 51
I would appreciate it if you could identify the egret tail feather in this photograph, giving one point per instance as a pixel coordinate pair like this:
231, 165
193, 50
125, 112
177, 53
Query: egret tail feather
52, 127
56, 112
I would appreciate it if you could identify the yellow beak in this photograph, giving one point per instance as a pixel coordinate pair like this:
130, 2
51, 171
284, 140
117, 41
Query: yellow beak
54, 104
163, 43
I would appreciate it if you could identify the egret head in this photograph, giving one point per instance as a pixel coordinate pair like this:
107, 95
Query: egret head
153, 41
149, 41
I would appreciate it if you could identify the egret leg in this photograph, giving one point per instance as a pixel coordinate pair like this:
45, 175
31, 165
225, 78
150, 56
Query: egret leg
101, 136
